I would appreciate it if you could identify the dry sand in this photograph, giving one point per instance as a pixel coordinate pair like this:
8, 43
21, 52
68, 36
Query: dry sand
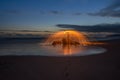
104, 66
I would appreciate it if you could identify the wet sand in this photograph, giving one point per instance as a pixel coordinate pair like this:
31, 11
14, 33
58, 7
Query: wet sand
104, 66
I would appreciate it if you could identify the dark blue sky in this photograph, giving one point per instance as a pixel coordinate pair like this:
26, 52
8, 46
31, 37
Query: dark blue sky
46, 14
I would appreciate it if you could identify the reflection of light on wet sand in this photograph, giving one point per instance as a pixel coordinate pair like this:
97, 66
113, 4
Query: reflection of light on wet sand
74, 51
70, 42
71, 50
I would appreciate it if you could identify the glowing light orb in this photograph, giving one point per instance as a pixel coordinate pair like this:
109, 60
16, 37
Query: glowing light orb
68, 37
69, 41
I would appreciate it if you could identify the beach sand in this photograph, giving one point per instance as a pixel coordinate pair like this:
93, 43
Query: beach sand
104, 66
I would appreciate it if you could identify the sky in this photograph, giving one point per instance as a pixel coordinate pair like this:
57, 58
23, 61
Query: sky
43, 15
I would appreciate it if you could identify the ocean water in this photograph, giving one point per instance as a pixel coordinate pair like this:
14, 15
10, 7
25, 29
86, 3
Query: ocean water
20, 47
36, 47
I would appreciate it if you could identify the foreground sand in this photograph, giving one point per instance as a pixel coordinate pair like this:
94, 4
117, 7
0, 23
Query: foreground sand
95, 67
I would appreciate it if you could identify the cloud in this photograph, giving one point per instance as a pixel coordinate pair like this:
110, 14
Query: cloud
112, 10
9, 12
95, 28
55, 12
31, 31
59, 12
77, 14
23, 33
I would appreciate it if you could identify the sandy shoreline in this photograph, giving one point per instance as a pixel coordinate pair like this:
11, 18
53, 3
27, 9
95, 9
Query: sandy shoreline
104, 66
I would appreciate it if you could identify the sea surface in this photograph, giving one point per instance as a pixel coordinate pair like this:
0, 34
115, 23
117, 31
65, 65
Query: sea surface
35, 46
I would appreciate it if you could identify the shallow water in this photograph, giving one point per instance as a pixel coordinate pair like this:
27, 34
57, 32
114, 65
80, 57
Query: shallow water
37, 48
